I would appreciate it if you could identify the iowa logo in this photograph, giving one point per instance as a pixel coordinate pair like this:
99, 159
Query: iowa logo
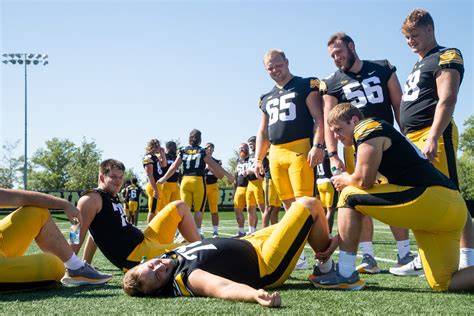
314, 83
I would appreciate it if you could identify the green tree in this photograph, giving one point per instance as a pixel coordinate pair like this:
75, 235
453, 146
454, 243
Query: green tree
50, 165
232, 169
10, 166
84, 166
466, 160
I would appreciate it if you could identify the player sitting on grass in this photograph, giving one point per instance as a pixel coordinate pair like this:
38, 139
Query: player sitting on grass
33, 221
235, 269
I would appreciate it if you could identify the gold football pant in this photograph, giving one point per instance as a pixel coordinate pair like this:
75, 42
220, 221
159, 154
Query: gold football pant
290, 170
271, 195
254, 194
279, 246
436, 215
159, 235
212, 192
169, 193
132, 207
445, 160
153, 203
17, 231
239, 197
193, 192
327, 193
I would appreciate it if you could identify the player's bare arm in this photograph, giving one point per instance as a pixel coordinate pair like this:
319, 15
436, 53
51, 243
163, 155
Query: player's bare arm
331, 142
89, 205
217, 169
395, 91
315, 106
262, 144
206, 284
447, 84
174, 166
369, 156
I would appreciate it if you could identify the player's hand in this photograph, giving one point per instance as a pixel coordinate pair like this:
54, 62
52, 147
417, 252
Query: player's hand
259, 172
156, 194
72, 214
315, 156
341, 181
266, 299
161, 180
231, 178
335, 161
430, 149
324, 256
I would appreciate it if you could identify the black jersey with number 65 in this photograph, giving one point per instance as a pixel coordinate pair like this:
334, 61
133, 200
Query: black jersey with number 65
289, 118
367, 89
193, 160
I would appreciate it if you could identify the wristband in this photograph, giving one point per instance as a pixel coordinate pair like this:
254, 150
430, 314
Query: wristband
332, 154
318, 145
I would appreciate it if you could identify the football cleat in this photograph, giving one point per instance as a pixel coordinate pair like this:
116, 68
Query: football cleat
334, 281
413, 268
317, 272
302, 263
215, 234
368, 265
85, 275
409, 257
238, 235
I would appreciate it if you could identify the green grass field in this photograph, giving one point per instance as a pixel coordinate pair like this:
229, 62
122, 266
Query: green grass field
384, 293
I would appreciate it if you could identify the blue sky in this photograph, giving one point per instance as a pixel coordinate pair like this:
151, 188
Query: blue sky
123, 72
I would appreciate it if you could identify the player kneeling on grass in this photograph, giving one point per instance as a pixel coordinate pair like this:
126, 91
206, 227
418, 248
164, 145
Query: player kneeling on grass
417, 196
235, 269
17, 231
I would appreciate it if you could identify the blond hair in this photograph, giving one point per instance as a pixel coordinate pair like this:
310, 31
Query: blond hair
343, 112
151, 145
273, 52
417, 18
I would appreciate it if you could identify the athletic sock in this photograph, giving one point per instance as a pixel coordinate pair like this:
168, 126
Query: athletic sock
367, 248
466, 258
199, 231
347, 263
215, 229
324, 267
241, 230
252, 229
73, 263
403, 247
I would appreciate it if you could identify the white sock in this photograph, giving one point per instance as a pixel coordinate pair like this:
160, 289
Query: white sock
241, 230
367, 248
466, 258
347, 263
324, 267
74, 263
403, 247
215, 229
252, 229
199, 231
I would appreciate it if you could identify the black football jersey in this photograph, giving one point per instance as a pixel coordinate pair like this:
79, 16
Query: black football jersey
367, 89
402, 163
266, 167
133, 193
230, 258
289, 118
210, 177
170, 158
112, 233
193, 160
420, 94
323, 170
153, 159
251, 164
242, 165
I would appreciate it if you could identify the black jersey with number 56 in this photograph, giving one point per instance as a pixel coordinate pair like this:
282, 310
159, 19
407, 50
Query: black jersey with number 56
193, 160
367, 89
289, 118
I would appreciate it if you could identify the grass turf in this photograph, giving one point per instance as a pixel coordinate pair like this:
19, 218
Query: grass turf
384, 293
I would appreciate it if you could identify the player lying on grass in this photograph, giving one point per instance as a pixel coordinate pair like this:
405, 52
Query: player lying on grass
417, 196
33, 221
235, 269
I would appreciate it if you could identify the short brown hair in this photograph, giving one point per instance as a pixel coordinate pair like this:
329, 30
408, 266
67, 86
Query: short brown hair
151, 144
343, 112
195, 137
341, 36
109, 164
417, 18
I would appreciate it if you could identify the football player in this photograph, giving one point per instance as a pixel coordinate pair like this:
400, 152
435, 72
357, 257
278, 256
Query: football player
154, 161
426, 113
133, 198
212, 192
254, 195
373, 87
417, 196
240, 187
170, 191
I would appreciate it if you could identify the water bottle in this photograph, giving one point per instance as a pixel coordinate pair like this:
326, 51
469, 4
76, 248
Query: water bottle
75, 232
335, 171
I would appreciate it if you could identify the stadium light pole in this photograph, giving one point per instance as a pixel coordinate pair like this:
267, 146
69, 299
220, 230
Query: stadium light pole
25, 59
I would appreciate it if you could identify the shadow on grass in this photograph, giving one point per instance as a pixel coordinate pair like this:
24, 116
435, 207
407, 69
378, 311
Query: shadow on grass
57, 290
370, 287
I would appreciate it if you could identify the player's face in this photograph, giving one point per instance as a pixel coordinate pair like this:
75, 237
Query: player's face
243, 151
155, 274
344, 132
252, 145
277, 67
209, 150
112, 182
419, 39
342, 55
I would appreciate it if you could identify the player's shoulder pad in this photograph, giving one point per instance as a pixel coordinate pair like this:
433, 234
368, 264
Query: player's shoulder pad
450, 56
366, 128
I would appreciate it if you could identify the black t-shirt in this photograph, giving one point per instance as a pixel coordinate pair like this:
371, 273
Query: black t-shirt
402, 163
367, 89
420, 93
193, 160
289, 118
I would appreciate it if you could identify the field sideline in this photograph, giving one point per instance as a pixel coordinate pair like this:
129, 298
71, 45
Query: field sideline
384, 293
